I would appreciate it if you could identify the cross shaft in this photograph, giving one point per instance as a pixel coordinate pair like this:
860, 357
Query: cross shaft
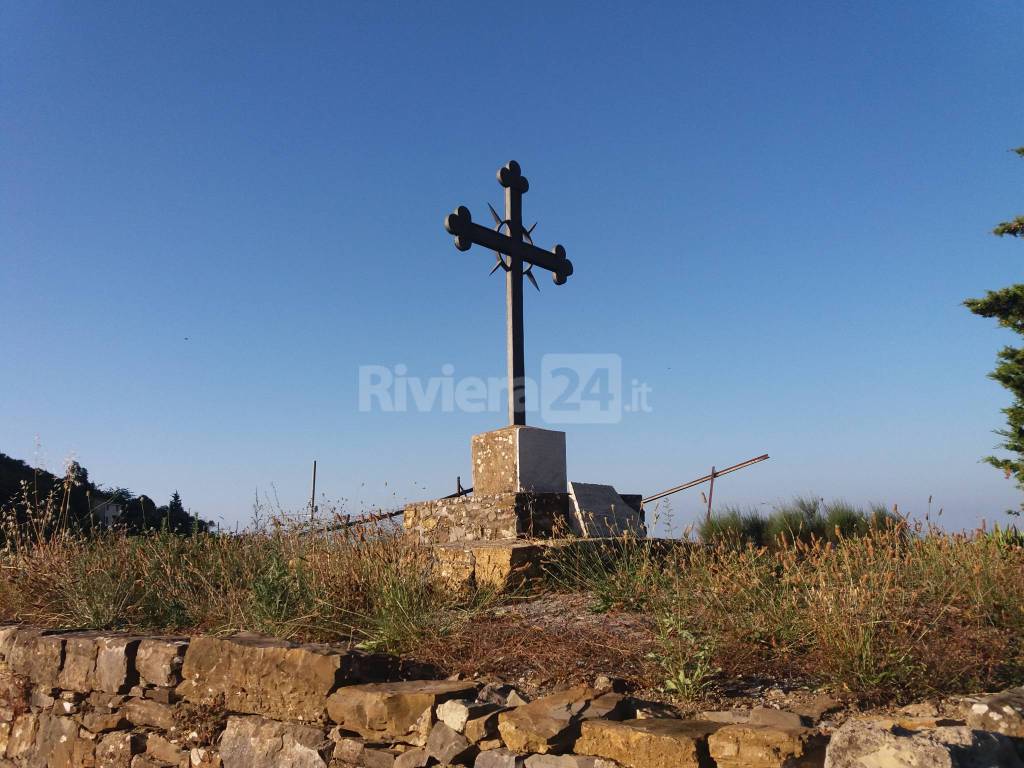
518, 252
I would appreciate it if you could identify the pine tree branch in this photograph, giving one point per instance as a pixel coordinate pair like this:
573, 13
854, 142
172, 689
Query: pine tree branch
1013, 228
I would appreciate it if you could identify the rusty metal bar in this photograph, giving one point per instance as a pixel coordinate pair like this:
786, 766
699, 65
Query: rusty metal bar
706, 478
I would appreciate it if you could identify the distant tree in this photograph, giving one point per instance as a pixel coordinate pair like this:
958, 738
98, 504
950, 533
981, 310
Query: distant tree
78, 474
1007, 307
121, 496
175, 508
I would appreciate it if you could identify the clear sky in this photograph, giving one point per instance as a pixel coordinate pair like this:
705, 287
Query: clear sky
211, 214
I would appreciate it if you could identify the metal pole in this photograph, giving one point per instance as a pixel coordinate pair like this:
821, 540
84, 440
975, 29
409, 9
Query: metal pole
699, 480
711, 491
514, 309
312, 497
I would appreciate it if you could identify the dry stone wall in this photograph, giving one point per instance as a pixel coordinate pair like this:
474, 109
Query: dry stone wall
91, 700
491, 517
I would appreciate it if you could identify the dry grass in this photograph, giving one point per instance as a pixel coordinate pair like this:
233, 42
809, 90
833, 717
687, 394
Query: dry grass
889, 614
367, 585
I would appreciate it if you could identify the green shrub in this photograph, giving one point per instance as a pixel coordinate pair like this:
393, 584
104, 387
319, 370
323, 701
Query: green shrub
733, 526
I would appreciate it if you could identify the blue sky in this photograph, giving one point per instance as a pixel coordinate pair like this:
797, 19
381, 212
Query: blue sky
212, 214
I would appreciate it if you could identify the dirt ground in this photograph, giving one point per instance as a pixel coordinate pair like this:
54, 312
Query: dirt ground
554, 641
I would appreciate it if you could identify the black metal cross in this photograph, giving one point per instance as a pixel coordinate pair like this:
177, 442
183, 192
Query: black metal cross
513, 251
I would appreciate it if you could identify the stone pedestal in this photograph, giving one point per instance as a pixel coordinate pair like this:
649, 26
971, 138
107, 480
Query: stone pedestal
519, 460
520, 492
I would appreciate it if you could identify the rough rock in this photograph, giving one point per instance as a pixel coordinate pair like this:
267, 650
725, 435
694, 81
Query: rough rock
116, 750
378, 758
347, 750
399, 712
14, 695
818, 707
551, 723
7, 634
23, 736
103, 722
105, 702
161, 695
725, 716
448, 746
878, 743
414, 758
777, 718
37, 656
254, 742
605, 683
457, 712
145, 712
502, 695
648, 743
78, 673
57, 739
483, 728
204, 757
159, 661
41, 698
567, 761
273, 678
766, 746
115, 663
144, 761
999, 712
163, 750
499, 758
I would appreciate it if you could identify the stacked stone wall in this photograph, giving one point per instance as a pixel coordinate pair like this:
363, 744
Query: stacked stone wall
91, 700
489, 517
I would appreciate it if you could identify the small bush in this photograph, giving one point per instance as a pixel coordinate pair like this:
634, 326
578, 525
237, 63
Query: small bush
735, 527
620, 574
804, 519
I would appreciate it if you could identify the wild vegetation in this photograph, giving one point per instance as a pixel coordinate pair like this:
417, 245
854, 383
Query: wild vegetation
1006, 305
861, 601
25, 489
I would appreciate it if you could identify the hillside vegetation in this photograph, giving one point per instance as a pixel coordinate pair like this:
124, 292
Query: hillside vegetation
885, 610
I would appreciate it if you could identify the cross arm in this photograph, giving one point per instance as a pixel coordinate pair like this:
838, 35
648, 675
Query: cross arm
467, 232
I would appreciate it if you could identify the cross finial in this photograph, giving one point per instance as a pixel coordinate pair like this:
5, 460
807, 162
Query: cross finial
511, 177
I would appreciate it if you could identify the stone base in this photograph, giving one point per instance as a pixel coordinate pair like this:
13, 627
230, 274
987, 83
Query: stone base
516, 564
519, 460
479, 517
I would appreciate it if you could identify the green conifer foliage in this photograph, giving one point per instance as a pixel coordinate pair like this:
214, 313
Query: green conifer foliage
1007, 307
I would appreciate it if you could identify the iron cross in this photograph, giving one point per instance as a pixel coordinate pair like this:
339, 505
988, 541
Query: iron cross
513, 249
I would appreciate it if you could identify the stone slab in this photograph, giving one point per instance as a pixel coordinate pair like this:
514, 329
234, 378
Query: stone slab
598, 511
274, 678
255, 742
551, 724
746, 745
648, 743
394, 712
